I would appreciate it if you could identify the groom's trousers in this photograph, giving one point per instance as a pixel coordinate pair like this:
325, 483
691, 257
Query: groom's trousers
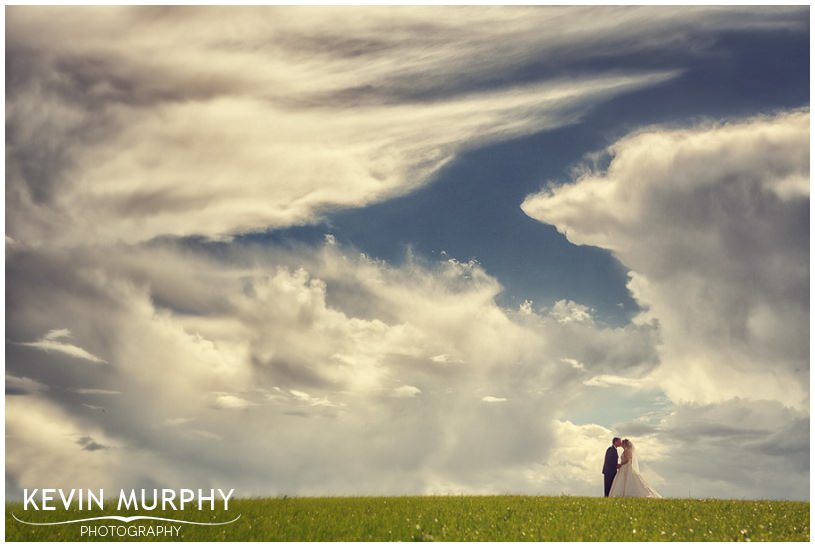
609, 479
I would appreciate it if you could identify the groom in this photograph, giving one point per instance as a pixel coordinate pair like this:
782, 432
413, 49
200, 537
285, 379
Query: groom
610, 465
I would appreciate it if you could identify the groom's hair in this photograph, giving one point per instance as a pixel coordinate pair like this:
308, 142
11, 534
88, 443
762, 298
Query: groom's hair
615, 440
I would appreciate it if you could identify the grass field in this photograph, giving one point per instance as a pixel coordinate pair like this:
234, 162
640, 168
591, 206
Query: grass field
457, 518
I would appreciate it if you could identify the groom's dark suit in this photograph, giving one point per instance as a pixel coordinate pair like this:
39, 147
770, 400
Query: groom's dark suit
610, 467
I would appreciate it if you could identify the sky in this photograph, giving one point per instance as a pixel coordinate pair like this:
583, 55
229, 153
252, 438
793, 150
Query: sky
414, 250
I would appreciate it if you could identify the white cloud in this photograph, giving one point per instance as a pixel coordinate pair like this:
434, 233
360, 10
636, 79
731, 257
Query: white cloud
56, 334
308, 399
713, 222
608, 380
96, 391
566, 311
172, 422
228, 401
443, 358
51, 342
264, 339
716, 236
118, 138
159, 175
264, 331
407, 391
574, 363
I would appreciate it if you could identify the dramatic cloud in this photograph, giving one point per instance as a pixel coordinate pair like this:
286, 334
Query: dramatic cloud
121, 126
713, 221
137, 358
308, 349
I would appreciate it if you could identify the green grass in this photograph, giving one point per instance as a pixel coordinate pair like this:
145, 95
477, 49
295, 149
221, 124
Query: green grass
459, 518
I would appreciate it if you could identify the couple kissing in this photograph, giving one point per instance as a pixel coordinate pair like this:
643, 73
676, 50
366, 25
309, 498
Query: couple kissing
622, 475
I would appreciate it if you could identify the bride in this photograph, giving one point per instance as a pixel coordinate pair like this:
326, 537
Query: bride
628, 483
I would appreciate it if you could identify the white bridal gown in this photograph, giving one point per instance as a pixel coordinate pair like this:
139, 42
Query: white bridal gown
628, 483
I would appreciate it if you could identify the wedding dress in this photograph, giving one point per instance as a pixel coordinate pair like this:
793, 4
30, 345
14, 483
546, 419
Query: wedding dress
628, 483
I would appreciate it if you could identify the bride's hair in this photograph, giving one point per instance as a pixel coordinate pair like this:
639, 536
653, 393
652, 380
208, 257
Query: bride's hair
627, 443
